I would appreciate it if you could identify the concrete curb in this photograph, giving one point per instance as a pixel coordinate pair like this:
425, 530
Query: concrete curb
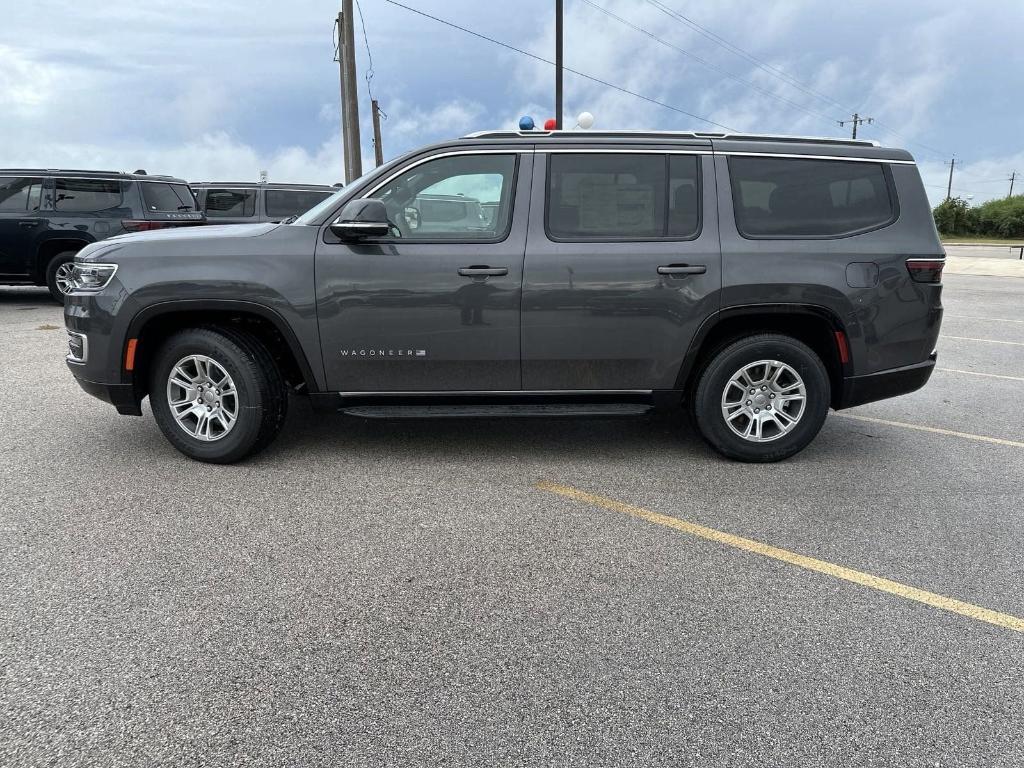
977, 265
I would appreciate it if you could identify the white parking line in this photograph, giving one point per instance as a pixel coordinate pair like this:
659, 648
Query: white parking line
987, 341
934, 430
979, 373
993, 319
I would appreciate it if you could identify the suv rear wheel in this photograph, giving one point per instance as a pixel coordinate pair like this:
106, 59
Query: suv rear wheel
58, 275
762, 398
217, 394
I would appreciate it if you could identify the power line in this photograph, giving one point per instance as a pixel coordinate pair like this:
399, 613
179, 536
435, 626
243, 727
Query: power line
780, 74
369, 53
567, 69
707, 63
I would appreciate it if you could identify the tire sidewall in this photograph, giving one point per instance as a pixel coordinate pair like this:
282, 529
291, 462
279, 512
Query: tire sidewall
708, 398
243, 435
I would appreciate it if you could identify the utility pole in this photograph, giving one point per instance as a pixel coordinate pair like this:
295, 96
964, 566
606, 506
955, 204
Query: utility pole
855, 121
1013, 177
349, 94
378, 150
949, 189
558, 65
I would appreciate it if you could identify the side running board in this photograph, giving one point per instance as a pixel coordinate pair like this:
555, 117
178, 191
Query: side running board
551, 411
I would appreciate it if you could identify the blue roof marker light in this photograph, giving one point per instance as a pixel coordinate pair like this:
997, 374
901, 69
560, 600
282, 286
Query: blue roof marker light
526, 123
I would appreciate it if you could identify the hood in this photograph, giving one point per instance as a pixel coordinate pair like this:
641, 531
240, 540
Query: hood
105, 248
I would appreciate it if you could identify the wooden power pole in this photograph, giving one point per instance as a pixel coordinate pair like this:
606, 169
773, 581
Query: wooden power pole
349, 95
378, 150
558, 65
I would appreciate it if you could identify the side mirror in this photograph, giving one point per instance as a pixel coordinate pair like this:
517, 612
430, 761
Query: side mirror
362, 218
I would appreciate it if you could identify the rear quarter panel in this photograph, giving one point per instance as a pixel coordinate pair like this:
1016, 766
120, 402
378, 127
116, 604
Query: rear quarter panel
890, 324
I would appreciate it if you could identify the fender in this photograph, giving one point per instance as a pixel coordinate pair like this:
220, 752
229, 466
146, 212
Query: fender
697, 343
224, 305
76, 240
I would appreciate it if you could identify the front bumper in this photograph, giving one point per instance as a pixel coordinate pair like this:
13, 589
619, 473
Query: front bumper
121, 396
858, 390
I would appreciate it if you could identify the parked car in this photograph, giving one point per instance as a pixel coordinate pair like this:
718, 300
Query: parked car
249, 203
755, 281
47, 216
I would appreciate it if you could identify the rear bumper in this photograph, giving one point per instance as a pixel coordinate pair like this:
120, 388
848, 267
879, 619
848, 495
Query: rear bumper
121, 396
858, 390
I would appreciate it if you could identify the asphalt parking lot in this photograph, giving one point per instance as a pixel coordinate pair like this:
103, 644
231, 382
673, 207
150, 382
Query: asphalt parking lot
515, 592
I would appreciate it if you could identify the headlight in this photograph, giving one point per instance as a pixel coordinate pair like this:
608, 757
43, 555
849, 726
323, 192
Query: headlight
92, 277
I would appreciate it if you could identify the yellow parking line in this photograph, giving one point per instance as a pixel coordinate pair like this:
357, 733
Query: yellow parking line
935, 430
987, 341
979, 373
813, 564
992, 319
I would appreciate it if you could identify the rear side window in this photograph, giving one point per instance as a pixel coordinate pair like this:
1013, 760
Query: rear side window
162, 197
19, 195
793, 198
596, 196
86, 195
230, 203
282, 203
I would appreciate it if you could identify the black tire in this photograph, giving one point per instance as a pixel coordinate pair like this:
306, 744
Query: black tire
62, 258
711, 386
262, 394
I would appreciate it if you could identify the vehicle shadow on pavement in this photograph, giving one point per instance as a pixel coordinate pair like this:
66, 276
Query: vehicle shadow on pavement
28, 295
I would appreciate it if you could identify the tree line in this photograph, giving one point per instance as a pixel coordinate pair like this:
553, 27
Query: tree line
996, 218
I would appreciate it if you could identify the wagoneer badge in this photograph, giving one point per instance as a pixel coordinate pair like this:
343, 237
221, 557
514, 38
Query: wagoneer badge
383, 353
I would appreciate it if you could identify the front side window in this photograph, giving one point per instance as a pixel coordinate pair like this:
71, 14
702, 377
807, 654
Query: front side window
795, 198
230, 203
463, 197
163, 197
282, 203
627, 196
19, 195
86, 195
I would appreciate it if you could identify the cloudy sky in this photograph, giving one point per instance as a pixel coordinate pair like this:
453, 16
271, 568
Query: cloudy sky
217, 90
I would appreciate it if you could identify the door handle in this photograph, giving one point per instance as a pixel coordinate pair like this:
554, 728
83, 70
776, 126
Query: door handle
682, 269
482, 271
28, 223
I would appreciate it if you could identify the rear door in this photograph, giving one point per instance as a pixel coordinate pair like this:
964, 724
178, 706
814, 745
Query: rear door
20, 223
623, 264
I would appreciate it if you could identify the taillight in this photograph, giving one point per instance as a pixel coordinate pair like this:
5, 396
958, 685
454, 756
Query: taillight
926, 270
144, 225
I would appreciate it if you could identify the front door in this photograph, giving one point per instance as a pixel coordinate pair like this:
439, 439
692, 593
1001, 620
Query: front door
434, 306
623, 266
20, 223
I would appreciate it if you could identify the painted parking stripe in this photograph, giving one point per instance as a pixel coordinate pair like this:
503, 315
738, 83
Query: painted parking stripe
933, 430
987, 341
979, 373
802, 561
991, 319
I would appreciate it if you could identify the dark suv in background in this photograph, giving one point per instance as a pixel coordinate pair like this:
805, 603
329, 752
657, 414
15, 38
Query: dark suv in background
755, 281
47, 216
249, 203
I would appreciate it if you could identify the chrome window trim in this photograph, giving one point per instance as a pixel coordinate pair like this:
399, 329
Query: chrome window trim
792, 156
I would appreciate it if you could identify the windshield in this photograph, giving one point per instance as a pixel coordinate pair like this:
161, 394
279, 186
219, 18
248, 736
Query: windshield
313, 215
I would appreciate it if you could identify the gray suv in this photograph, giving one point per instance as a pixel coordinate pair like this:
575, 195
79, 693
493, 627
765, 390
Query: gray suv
754, 281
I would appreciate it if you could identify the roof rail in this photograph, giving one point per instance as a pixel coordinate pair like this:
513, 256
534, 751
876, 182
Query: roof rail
670, 135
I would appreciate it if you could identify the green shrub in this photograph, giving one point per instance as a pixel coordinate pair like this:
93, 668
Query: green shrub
996, 218
952, 217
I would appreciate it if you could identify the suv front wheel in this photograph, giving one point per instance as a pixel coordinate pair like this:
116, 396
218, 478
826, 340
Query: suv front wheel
217, 394
762, 398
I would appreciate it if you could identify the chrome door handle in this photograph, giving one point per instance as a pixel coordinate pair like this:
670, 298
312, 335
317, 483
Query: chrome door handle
481, 271
682, 269
28, 223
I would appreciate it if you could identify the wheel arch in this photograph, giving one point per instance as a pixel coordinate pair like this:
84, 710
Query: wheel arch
814, 325
153, 324
51, 246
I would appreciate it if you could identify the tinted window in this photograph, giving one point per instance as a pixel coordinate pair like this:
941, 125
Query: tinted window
465, 197
87, 194
20, 194
163, 197
224, 203
623, 196
777, 197
282, 203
